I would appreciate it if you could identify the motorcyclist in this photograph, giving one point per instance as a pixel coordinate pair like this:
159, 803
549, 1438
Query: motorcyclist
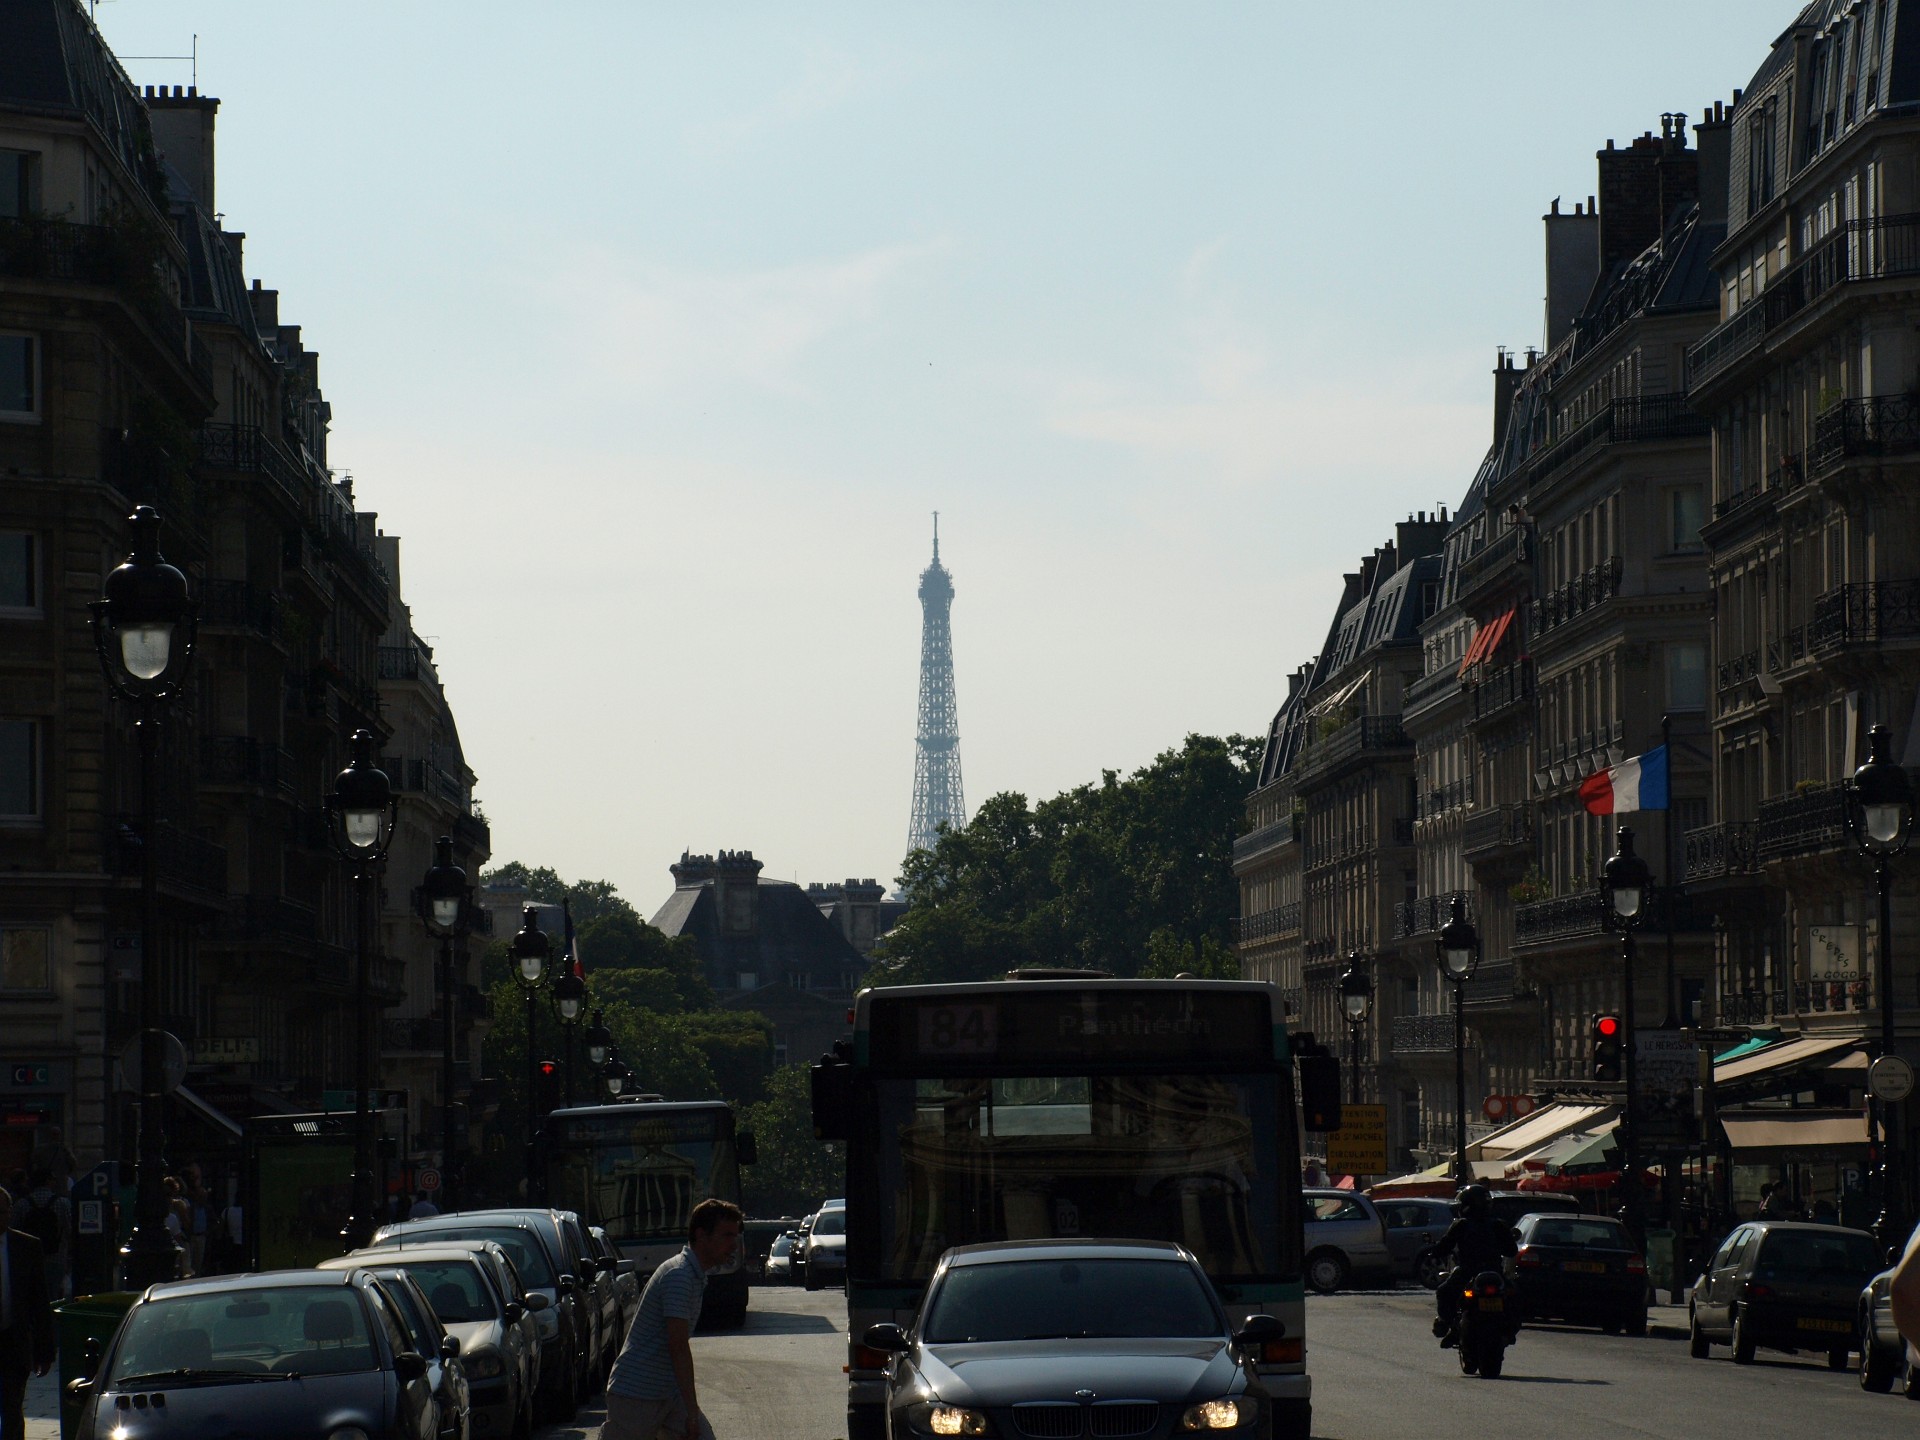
1477, 1242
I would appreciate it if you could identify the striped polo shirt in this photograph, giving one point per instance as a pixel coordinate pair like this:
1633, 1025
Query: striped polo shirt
675, 1291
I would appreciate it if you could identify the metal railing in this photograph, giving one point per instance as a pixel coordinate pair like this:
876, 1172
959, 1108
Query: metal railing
1496, 829
1751, 1007
1740, 670
1804, 823
1429, 803
1878, 425
1436, 682
241, 760
399, 662
182, 859
1572, 917
418, 1034
1635, 419
1499, 691
1866, 614
1483, 563
1497, 982
1416, 1034
1578, 595
1267, 924
239, 606
1369, 732
1413, 918
1267, 837
1716, 851
249, 450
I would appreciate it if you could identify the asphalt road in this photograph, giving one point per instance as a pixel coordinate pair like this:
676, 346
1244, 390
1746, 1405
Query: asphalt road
1378, 1375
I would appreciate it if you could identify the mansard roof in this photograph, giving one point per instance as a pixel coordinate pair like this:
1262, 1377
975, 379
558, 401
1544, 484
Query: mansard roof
53, 62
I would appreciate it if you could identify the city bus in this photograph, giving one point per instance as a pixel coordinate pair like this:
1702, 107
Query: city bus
1031, 1108
638, 1168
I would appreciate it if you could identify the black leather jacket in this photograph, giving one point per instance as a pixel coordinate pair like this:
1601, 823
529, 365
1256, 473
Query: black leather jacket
1477, 1243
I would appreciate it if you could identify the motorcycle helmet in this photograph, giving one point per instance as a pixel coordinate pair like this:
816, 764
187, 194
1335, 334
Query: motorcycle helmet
1473, 1200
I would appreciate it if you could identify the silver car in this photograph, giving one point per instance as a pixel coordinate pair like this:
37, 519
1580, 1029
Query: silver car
1414, 1227
1345, 1239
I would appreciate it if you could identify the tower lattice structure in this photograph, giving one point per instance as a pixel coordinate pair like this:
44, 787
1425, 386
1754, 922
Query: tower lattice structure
937, 797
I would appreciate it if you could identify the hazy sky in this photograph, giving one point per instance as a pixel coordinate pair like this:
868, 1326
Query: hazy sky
657, 330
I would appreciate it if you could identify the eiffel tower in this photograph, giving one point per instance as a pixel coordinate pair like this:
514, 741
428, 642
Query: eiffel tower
937, 799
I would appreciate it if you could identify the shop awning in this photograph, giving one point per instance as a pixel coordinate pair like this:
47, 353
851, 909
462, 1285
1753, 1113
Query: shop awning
1575, 1148
1782, 1057
1805, 1133
1547, 1123
1486, 641
1339, 697
1745, 1047
205, 1111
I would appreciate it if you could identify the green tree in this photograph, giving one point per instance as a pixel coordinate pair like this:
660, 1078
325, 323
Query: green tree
739, 1050
590, 899
794, 1172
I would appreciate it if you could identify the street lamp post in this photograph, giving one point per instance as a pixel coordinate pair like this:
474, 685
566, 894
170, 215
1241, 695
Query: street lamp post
446, 908
1459, 947
1356, 1002
531, 949
599, 1040
618, 1075
363, 809
143, 630
569, 993
1626, 888
1880, 818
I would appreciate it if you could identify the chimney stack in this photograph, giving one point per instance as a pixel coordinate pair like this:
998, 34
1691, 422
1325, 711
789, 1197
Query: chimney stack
183, 131
1630, 215
1715, 150
1573, 263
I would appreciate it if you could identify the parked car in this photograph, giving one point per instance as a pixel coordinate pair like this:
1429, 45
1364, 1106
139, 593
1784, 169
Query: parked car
1884, 1357
826, 1250
197, 1350
446, 1372
1056, 1338
1414, 1227
476, 1297
1584, 1269
1786, 1285
756, 1243
1345, 1237
779, 1267
626, 1285
564, 1323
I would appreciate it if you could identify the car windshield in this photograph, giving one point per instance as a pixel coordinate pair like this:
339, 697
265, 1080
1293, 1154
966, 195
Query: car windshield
834, 1222
295, 1330
454, 1289
1810, 1253
1586, 1234
1078, 1299
529, 1256
782, 1245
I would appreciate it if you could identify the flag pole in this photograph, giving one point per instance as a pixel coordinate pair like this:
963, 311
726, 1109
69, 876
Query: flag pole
1672, 877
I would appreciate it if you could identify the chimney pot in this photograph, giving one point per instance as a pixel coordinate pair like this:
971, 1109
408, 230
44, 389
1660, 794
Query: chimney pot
178, 91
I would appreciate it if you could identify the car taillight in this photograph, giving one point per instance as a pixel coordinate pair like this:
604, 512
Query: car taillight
1527, 1260
1283, 1352
1636, 1265
1754, 1290
866, 1357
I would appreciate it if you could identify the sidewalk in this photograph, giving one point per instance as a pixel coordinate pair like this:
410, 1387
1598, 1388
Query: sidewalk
43, 1407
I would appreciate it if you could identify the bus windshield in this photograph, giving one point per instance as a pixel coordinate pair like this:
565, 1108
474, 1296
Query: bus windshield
640, 1174
1189, 1158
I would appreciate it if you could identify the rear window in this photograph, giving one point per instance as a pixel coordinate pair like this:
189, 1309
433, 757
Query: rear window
1586, 1234
1070, 1299
523, 1247
454, 1289
1807, 1253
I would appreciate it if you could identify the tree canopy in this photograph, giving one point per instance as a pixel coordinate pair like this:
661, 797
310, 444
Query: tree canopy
1132, 875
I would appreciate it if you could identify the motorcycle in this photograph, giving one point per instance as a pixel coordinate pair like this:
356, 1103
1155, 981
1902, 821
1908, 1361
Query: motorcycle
1483, 1327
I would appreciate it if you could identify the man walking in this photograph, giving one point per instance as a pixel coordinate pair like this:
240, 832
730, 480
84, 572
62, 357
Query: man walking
650, 1393
26, 1321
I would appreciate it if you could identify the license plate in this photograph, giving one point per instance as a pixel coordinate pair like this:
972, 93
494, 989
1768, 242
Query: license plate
1828, 1327
1584, 1267
1492, 1307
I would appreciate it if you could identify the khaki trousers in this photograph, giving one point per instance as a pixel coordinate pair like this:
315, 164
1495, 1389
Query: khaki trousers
629, 1418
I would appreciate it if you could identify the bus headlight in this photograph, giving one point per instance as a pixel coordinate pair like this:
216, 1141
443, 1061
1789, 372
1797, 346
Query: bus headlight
1217, 1415
937, 1419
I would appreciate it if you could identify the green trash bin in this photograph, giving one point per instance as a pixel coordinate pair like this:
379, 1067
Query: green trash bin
84, 1318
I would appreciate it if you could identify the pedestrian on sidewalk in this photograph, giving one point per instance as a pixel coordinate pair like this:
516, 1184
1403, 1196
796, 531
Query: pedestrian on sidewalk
26, 1321
650, 1392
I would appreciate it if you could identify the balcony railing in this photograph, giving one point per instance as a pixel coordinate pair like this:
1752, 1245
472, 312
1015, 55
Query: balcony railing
1501, 828
470, 833
1804, 823
1717, 851
1429, 803
399, 662
1577, 596
1484, 563
1855, 251
239, 760
1878, 425
1267, 837
1368, 733
1852, 996
1267, 924
1866, 614
1425, 916
249, 450
1501, 690
1496, 982
1416, 1034
1740, 670
237, 605
1437, 682
1634, 420
182, 859
1573, 917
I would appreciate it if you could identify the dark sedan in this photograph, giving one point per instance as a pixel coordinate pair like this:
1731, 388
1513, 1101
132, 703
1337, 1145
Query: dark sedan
1584, 1269
1068, 1338
292, 1354
1787, 1286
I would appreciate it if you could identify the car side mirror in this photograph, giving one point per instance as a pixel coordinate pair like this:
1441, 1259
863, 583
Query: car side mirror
890, 1338
514, 1311
449, 1347
567, 1282
1260, 1330
626, 1267
745, 1149
537, 1302
409, 1366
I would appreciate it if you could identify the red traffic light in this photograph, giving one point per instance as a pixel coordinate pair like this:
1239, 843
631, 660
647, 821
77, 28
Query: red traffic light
1608, 1025
549, 1068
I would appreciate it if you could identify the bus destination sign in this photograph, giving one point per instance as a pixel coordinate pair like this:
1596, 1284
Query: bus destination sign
660, 1127
1059, 1026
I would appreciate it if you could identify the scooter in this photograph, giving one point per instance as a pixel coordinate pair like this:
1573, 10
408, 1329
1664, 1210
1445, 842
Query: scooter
1483, 1326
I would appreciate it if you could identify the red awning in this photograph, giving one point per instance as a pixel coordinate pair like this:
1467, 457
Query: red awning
1500, 627
1473, 650
1488, 640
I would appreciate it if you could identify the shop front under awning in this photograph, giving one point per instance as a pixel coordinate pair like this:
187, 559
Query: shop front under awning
1809, 1052
1795, 1135
1546, 1124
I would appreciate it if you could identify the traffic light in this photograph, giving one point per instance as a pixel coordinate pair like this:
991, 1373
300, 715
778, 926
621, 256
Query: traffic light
1606, 1038
547, 1096
1319, 1086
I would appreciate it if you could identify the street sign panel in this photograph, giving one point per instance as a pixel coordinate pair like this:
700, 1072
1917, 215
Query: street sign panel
1669, 1067
1724, 1035
1359, 1146
233, 1050
173, 1063
1890, 1078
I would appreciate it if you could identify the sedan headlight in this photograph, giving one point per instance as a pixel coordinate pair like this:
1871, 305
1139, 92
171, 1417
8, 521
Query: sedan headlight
487, 1364
937, 1419
1217, 1415
350, 1432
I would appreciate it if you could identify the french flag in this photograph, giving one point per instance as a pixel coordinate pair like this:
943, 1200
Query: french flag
1636, 784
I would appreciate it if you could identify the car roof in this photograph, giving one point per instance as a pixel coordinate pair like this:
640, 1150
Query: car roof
491, 1219
1563, 1216
265, 1280
993, 1252
1329, 1192
385, 1257
1812, 1227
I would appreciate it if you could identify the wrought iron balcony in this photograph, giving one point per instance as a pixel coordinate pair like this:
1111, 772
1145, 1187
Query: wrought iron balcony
1422, 1034
1845, 996
1805, 823
249, 450
236, 605
1268, 924
1635, 419
1866, 614
1751, 1007
1359, 737
1877, 426
1425, 916
1740, 670
1505, 827
399, 662
1443, 681
1499, 691
1579, 595
182, 859
1574, 917
1497, 982
1717, 851
1267, 837
241, 760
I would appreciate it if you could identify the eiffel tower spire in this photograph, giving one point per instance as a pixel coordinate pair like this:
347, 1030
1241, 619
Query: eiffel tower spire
937, 798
